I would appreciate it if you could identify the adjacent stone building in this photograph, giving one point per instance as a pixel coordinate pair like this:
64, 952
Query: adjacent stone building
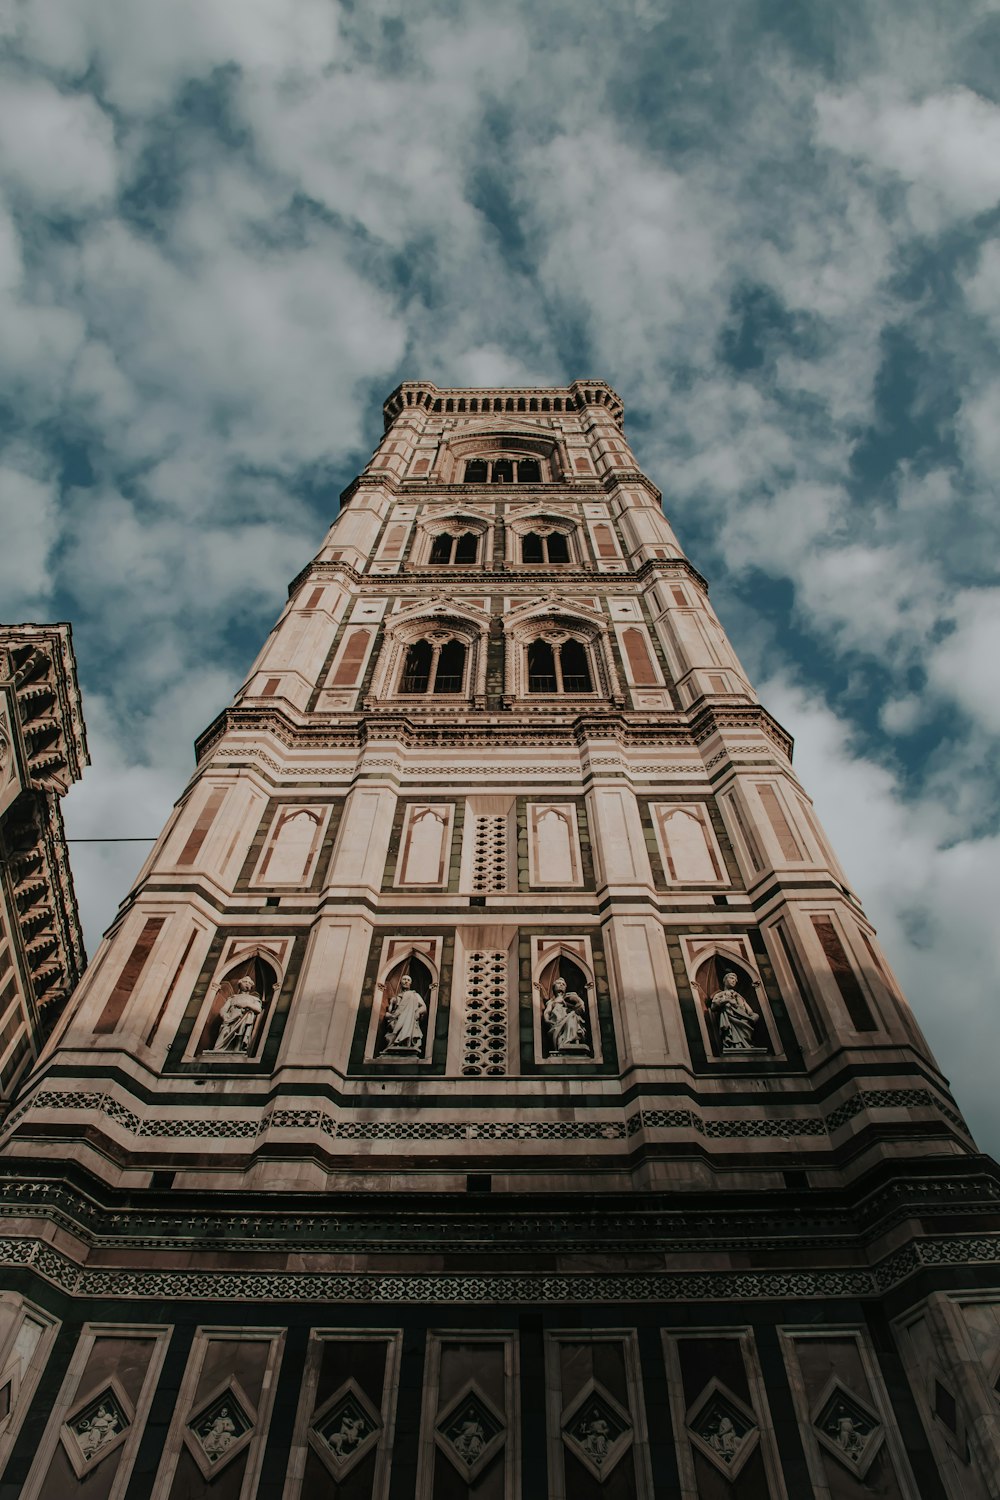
43, 749
492, 1086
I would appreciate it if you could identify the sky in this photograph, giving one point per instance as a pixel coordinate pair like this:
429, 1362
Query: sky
228, 228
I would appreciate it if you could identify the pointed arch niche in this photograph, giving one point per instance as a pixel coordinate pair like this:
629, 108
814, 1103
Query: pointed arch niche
292, 846
433, 655
420, 958
553, 844
568, 958
689, 849
264, 962
708, 960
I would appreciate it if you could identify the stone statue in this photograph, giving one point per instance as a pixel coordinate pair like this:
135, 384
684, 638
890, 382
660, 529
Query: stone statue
566, 1017
352, 1430
725, 1439
406, 1010
100, 1429
734, 1017
849, 1438
470, 1440
238, 1018
596, 1436
220, 1435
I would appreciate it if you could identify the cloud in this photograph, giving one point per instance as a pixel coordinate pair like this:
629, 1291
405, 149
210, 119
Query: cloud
29, 528
945, 148
58, 148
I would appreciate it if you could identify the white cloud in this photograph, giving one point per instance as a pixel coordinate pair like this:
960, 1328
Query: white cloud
945, 148
28, 529
964, 665
56, 147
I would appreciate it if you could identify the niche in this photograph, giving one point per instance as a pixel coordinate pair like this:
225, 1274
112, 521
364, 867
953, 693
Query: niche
404, 1010
732, 1031
566, 1013
237, 1017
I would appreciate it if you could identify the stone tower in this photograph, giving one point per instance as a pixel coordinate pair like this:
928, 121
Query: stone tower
492, 1085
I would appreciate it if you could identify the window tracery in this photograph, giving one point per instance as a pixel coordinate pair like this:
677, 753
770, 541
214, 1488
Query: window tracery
503, 471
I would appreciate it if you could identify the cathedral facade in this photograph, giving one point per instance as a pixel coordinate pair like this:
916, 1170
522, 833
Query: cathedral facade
492, 1086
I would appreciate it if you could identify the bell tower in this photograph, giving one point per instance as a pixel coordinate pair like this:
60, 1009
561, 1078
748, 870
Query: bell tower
492, 1072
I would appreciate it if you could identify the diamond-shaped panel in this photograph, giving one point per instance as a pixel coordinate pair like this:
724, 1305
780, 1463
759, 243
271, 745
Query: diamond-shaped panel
469, 1429
344, 1429
219, 1428
596, 1430
723, 1429
100, 1420
848, 1429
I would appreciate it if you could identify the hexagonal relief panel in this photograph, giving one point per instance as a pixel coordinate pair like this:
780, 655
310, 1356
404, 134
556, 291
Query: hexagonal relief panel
847, 1427
722, 1427
344, 1429
596, 1430
222, 1426
470, 1432
96, 1426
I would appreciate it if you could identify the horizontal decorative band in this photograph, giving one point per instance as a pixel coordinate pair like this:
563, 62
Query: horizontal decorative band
388, 1129
372, 1288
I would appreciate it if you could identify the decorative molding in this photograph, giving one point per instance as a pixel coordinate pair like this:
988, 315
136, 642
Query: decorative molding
375, 1287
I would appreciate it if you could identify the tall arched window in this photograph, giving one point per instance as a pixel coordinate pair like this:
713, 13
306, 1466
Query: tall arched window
529, 471
553, 548
503, 471
433, 667
558, 668
476, 471
448, 549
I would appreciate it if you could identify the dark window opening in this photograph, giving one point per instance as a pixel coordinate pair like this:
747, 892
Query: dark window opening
529, 471
433, 669
450, 668
575, 668
563, 670
541, 668
475, 471
417, 668
553, 548
503, 471
450, 549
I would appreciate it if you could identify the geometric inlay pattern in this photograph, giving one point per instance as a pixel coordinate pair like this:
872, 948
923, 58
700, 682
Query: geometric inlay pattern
344, 1429
596, 1430
847, 1427
221, 1427
96, 1426
723, 1428
470, 1431
484, 1046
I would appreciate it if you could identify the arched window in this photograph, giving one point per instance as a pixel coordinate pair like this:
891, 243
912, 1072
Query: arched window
553, 548
455, 549
562, 668
503, 471
433, 667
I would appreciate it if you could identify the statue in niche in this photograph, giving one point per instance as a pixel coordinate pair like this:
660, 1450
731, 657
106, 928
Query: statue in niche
406, 1010
238, 1018
734, 1017
220, 1435
565, 1015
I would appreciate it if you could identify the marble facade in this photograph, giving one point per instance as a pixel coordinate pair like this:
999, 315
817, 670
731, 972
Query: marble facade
489, 1193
